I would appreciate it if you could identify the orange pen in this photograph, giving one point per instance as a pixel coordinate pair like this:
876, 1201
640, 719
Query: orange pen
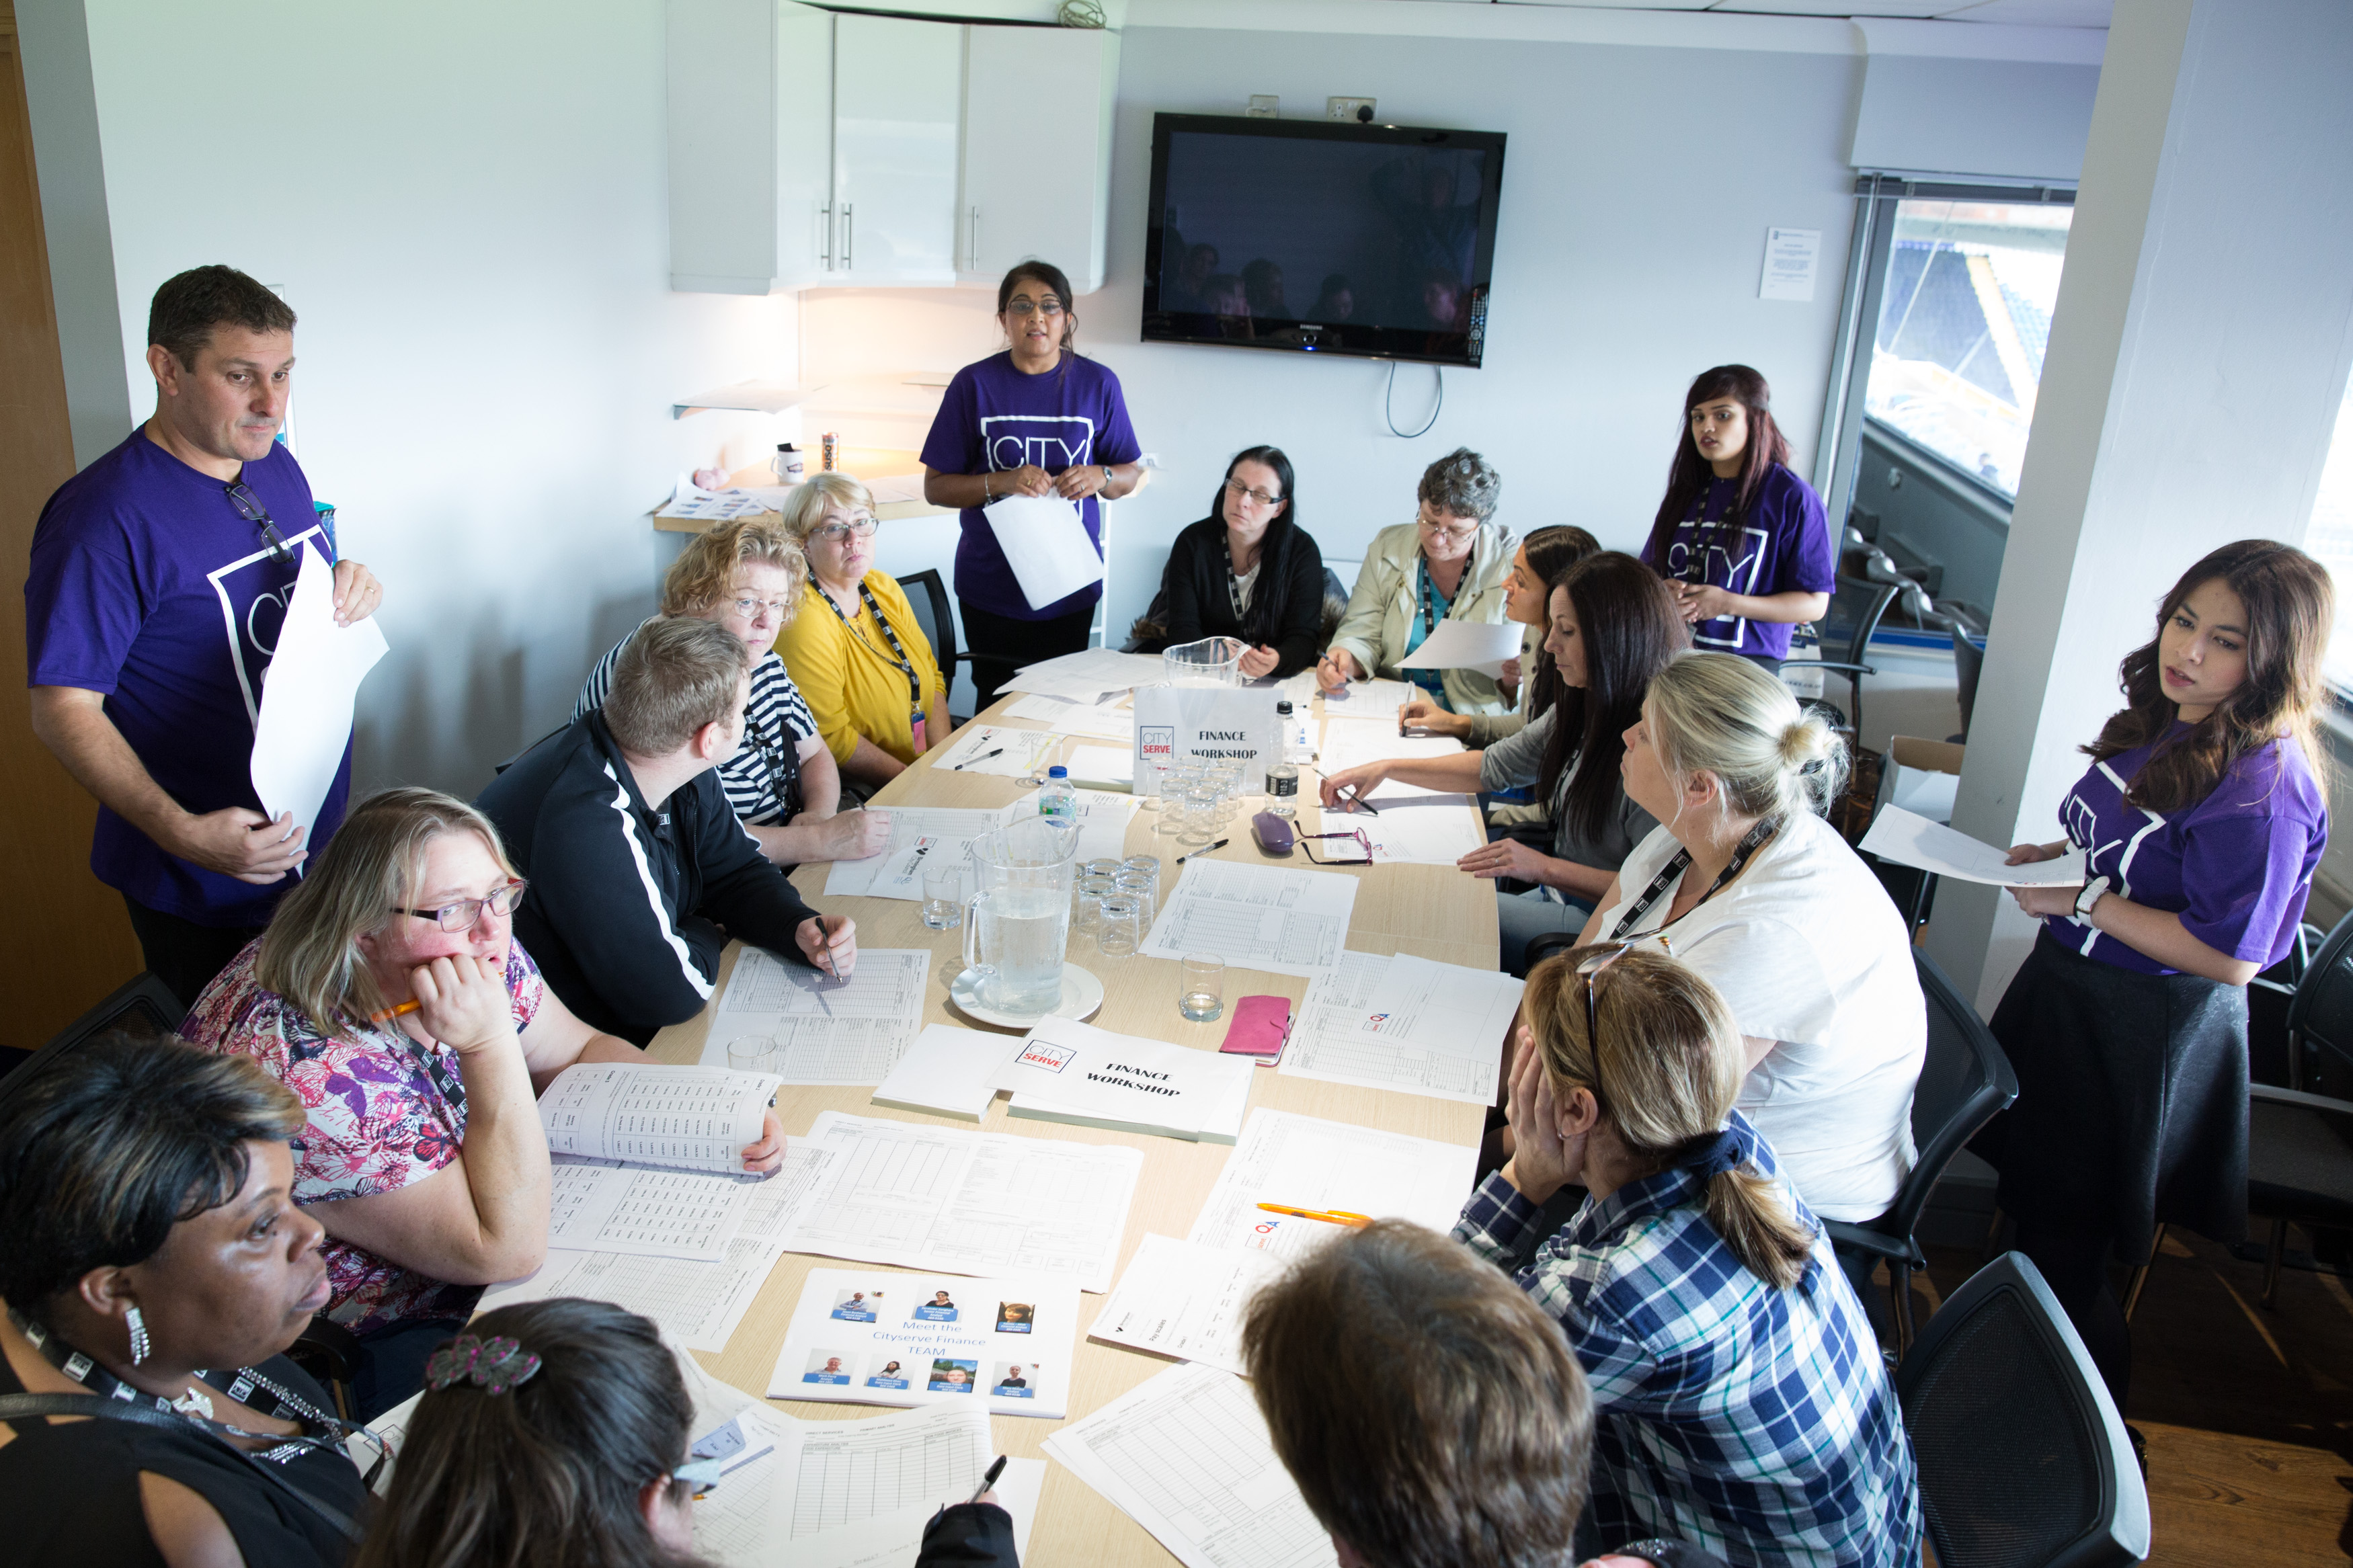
1329, 1217
389, 1014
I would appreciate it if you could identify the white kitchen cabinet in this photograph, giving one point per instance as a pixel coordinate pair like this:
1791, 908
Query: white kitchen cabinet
751, 144
897, 92
1037, 150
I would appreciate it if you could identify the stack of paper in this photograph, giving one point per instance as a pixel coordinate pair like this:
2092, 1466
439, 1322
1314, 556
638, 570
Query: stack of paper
1306, 1163
1187, 1455
1186, 1300
1407, 1024
1073, 1072
1256, 917
947, 1071
1112, 720
1353, 742
1482, 646
1102, 816
1085, 676
1377, 700
1411, 828
966, 1202
999, 749
850, 1031
919, 835
1911, 840
864, 1337
304, 727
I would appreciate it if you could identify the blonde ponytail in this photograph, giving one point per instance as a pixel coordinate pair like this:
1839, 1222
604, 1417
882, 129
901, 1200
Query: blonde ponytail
1666, 1070
1720, 714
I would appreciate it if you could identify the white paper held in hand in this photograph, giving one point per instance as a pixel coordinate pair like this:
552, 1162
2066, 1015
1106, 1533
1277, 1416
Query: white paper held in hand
1909, 840
1046, 546
305, 724
1467, 644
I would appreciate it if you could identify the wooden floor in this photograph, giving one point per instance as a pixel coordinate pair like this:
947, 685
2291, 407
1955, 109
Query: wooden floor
2248, 1412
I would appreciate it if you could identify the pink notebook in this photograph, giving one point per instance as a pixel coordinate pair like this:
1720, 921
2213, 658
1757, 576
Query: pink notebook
1260, 1025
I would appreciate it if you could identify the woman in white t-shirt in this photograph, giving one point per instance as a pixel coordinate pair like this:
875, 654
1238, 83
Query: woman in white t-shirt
1746, 883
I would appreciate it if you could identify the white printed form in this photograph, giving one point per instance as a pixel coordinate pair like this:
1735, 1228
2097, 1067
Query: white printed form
1184, 1299
700, 1117
697, 1305
1256, 917
1102, 815
1351, 742
1406, 1024
1307, 1162
854, 1470
829, 1031
966, 1202
1187, 1455
918, 835
601, 1207
1103, 720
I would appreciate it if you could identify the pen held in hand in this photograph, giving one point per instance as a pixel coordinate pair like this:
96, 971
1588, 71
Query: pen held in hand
1354, 798
989, 1479
389, 1014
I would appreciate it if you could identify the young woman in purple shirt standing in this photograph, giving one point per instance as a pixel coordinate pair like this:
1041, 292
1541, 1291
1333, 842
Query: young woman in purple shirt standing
1743, 539
2201, 818
1038, 419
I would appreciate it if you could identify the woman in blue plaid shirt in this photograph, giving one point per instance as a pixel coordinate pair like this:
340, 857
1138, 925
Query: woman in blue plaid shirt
1742, 1405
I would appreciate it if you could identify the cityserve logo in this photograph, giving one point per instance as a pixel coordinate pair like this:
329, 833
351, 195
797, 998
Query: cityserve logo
1157, 743
1053, 1058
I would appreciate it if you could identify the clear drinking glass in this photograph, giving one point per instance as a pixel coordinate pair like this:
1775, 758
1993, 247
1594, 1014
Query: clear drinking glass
754, 1053
1198, 823
1144, 866
1142, 888
1105, 866
1201, 989
1120, 926
944, 894
1228, 777
1086, 906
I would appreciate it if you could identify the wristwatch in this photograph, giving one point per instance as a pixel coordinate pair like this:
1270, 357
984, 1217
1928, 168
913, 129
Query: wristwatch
2091, 894
1106, 468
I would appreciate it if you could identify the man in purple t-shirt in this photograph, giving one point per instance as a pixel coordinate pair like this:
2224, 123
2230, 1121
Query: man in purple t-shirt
160, 576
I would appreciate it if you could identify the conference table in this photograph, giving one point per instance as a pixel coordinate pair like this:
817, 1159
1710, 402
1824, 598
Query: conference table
1430, 912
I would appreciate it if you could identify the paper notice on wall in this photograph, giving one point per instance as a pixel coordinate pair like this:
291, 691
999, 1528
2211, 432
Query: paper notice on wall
305, 725
1791, 255
1046, 546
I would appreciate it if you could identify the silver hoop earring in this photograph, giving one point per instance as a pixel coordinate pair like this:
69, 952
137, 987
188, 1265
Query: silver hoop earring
139, 1342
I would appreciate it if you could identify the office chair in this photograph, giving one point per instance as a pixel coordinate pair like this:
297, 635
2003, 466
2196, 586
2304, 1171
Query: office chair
142, 1007
929, 595
1968, 663
1858, 643
2023, 1459
1965, 1078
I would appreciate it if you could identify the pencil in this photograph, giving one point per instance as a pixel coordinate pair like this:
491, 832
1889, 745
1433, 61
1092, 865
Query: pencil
389, 1014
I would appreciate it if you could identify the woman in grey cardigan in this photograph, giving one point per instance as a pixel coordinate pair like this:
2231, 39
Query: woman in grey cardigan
1613, 626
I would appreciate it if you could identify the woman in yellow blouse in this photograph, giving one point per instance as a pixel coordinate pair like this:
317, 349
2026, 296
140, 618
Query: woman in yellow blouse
855, 650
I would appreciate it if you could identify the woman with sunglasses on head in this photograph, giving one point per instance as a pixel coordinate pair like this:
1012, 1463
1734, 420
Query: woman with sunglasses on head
1449, 564
782, 782
1741, 1402
390, 995
2203, 819
1613, 628
1039, 419
156, 1269
1743, 539
1248, 570
855, 647
1743, 881
1542, 559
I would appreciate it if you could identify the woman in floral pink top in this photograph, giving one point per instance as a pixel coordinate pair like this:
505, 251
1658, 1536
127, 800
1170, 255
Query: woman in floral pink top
389, 993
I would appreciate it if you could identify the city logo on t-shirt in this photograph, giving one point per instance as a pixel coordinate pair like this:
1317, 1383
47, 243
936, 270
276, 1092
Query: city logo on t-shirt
1732, 568
1051, 441
253, 592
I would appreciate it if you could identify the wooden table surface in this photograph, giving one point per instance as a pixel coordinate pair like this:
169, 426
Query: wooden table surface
1433, 911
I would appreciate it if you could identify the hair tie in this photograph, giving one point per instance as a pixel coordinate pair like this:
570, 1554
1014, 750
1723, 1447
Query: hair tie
494, 1365
1727, 1150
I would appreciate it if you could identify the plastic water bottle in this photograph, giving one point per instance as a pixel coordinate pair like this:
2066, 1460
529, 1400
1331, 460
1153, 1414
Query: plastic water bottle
1283, 774
1056, 796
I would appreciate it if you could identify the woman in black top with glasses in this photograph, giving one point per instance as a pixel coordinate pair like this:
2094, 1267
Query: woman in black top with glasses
148, 1230
1249, 571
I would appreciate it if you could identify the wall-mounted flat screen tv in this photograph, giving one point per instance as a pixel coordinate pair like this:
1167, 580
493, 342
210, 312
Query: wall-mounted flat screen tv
1320, 237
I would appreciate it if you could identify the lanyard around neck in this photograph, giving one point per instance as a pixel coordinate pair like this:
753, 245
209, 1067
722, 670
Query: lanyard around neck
1674, 867
898, 653
1233, 582
1705, 533
1429, 616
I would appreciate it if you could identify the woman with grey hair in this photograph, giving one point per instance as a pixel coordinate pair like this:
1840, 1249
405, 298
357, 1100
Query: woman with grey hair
1449, 563
156, 1269
390, 995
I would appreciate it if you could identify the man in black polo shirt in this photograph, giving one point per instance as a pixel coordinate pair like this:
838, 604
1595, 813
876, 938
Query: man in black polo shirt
636, 861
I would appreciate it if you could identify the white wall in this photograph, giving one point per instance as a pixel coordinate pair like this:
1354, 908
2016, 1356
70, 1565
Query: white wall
465, 205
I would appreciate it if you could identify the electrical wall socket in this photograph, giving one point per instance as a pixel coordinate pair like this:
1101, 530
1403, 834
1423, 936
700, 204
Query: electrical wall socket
1265, 106
1348, 108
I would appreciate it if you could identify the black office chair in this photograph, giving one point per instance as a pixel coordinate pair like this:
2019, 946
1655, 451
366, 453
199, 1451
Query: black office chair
2299, 1167
1858, 643
2023, 1459
1965, 1078
1968, 663
2320, 1016
142, 1007
929, 595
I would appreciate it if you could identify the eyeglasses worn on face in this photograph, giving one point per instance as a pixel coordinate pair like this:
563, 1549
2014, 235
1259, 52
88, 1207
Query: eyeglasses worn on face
1049, 306
750, 608
248, 506
835, 533
1241, 491
462, 915
1452, 535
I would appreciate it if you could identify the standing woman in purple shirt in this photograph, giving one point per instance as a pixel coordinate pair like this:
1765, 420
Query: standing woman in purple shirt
1743, 539
1038, 420
2201, 820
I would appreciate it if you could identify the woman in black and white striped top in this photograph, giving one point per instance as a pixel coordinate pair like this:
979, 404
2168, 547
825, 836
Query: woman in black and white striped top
782, 783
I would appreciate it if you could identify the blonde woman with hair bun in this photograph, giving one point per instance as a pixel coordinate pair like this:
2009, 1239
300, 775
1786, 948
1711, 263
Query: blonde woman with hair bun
1746, 883
1739, 1400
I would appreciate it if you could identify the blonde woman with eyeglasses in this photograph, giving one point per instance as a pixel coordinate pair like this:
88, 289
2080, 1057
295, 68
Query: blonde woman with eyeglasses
782, 783
1451, 564
390, 995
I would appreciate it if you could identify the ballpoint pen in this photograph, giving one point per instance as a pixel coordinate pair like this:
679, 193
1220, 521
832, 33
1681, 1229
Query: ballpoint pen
1354, 796
982, 758
1204, 849
1330, 1217
989, 1479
